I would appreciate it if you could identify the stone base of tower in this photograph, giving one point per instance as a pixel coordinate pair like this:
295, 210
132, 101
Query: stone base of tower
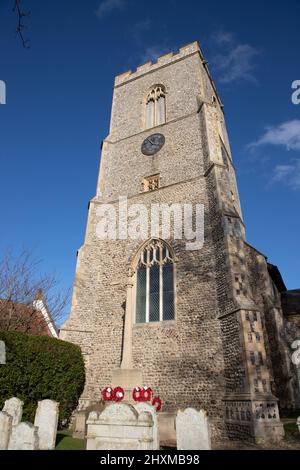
256, 419
128, 379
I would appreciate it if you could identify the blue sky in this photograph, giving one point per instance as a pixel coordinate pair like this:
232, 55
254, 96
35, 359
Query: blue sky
58, 107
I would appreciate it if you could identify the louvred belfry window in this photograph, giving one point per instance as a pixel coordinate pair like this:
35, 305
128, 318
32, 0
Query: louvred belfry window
156, 107
155, 283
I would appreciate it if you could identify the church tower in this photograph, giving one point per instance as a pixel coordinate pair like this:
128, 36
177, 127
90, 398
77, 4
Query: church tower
183, 320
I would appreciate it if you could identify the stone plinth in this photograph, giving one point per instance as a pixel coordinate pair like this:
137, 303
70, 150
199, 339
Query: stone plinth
145, 407
127, 379
120, 427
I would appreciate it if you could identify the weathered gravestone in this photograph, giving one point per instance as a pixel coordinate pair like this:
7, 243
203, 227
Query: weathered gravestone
80, 425
46, 420
2, 353
24, 436
145, 407
192, 430
5, 429
120, 427
14, 407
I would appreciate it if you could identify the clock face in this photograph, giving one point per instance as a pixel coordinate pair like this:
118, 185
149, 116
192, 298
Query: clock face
153, 144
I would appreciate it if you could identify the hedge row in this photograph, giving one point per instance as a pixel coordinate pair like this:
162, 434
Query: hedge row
40, 367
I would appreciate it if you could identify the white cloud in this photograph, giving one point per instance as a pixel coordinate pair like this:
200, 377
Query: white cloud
233, 61
289, 175
222, 37
153, 52
106, 6
286, 134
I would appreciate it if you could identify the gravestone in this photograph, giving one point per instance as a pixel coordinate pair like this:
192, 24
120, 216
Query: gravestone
141, 407
14, 407
192, 430
2, 353
5, 429
120, 427
80, 426
46, 420
24, 436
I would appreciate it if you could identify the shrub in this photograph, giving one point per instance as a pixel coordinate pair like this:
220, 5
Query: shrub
40, 367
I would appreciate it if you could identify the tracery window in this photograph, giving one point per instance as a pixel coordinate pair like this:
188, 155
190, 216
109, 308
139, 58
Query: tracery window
155, 283
156, 107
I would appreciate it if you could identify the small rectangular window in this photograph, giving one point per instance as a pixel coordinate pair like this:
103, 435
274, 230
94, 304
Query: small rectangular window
151, 183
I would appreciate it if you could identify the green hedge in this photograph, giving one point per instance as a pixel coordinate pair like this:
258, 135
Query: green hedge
39, 367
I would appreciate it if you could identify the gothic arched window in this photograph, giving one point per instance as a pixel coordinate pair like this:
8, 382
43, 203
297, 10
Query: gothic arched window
155, 283
156, 107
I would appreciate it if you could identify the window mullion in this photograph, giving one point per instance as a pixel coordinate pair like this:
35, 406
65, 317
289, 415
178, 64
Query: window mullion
147, 293
161, 292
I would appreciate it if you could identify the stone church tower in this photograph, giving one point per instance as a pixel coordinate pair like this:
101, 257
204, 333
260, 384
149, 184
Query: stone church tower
190, 323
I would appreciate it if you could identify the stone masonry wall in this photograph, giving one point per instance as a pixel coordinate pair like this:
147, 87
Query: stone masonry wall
196, 358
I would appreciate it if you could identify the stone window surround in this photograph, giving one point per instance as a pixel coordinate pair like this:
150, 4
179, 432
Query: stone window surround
155, 107
150, 181
161, 321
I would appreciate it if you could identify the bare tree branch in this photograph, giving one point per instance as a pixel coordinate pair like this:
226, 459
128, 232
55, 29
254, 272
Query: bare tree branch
22, 286
20, 26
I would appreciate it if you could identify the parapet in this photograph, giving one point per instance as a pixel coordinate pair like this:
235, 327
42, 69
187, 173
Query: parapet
162, 60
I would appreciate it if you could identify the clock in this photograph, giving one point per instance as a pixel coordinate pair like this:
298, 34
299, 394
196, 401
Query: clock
153, 144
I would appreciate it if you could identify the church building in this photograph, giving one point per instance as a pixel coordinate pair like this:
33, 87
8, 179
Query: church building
202, 325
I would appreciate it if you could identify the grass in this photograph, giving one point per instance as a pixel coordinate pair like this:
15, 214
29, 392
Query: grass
65, 441
291, 430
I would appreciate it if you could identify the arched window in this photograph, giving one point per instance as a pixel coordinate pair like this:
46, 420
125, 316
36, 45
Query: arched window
155, 283
156, 107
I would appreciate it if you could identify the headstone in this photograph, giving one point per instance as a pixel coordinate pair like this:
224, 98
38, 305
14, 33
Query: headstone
298, 423
120, 427
5, 429
192, 430
24, 436
2, 353
46, 420
141, 407
14, 407
80, 426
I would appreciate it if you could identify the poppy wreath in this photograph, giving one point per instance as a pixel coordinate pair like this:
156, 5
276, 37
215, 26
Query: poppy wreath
147, 394
113, 394
108, 394
118, 394
137, 393
142, 394
157, 403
